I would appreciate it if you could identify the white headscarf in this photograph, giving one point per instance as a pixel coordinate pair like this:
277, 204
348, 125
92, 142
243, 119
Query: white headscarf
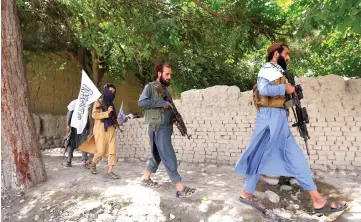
271, 71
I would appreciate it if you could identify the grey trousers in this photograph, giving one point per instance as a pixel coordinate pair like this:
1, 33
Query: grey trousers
75, 141
84, 155
162, 151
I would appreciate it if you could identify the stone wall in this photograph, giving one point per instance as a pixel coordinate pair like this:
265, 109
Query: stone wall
50, 129
221, 120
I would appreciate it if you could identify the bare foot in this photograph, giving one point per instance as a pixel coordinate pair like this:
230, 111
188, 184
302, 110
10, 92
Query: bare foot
252, 200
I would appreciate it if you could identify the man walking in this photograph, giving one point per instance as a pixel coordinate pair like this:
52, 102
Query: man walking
104, 130
272, 149
159, 117
76, 139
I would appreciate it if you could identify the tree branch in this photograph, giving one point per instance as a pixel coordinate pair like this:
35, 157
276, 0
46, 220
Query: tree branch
73, 57
265, 30
214, 13
177, 17
135, 2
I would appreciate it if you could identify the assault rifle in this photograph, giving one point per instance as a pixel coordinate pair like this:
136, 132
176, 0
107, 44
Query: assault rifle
299, 112
112, 119
179, 120
66, 141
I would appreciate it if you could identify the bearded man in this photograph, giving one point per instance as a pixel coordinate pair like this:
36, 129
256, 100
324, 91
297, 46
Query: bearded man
160, 118
272, 149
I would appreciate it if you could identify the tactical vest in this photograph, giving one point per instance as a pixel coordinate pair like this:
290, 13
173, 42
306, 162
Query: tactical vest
154, 116
269, 101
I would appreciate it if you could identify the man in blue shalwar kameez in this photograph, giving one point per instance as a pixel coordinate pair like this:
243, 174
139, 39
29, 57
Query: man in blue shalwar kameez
158, 115
272, 149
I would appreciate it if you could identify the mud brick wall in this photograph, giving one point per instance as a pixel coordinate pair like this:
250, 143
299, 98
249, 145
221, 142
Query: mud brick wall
221, 120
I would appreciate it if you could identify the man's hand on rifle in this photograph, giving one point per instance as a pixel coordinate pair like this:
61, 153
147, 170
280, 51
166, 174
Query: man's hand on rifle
110, 109
289, 88
168, 106
67, 129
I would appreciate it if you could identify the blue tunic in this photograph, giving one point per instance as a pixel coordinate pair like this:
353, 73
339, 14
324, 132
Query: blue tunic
272, 149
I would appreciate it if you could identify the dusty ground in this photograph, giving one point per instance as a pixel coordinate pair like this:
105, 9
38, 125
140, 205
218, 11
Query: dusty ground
73, 194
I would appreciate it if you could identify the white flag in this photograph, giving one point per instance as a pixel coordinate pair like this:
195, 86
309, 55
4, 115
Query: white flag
87, 95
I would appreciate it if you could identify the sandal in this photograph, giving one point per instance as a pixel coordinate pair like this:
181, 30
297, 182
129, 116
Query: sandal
112, 176
253, 201
150, 183
328, 209
186, 192
88, 164
93, 169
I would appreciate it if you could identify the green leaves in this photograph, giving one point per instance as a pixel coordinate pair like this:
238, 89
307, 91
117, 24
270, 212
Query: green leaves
356, 27
330, 33
215, 42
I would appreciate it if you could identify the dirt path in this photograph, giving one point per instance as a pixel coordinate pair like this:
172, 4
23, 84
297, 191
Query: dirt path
73, 194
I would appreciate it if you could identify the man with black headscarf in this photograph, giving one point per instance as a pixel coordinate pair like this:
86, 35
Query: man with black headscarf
104, 130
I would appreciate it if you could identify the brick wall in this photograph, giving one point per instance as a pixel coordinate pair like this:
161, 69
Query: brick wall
221, 120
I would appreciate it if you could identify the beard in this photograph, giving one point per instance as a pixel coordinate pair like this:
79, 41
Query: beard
282, 62
164, 82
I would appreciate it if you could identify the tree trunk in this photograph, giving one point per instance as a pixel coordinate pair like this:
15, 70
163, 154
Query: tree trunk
79, 56
22, 165
95, 68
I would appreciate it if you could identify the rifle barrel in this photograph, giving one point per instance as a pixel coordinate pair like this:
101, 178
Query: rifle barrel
308, 152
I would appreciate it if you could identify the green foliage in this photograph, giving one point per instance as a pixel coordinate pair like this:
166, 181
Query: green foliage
44, 26
327, 37
327, 16
204, 49
210, 42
